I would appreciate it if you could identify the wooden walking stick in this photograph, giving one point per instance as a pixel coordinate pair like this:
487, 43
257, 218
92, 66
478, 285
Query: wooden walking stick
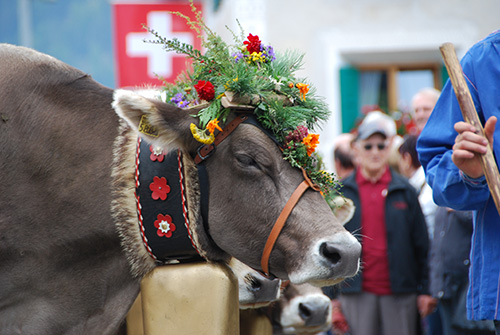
470, 116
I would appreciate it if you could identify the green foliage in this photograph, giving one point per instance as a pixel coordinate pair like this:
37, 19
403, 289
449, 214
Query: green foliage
248, 69
286, 65
175, 45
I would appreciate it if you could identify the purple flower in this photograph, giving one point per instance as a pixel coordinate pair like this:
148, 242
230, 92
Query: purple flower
269, 51
237, 56
179, 100
182, 104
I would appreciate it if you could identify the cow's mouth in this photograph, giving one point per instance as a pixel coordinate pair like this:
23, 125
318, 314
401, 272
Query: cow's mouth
256, 305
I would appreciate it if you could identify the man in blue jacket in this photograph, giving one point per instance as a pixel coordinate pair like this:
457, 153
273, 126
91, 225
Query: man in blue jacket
387, 295
449, 151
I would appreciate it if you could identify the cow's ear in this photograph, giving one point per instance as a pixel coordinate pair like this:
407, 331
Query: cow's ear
344, 210
161, 124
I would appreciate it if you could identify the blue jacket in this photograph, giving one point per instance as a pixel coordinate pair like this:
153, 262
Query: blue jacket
407, 238
481, 66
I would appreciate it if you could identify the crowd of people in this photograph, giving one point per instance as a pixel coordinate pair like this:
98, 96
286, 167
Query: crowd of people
414, 218
415, 254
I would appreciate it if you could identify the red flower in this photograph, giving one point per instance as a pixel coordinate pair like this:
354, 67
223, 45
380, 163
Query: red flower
205, 90
156, 154
253, 44
164, 225
160, 188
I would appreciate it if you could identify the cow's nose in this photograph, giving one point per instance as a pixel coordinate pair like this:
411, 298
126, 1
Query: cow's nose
343, 257
313, 314
264, 289
331, 252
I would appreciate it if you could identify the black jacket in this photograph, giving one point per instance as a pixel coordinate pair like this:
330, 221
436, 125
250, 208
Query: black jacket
407, 238
450, 248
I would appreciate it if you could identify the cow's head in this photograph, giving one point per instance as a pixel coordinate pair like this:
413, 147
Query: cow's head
254, 290
250, 183
301, 309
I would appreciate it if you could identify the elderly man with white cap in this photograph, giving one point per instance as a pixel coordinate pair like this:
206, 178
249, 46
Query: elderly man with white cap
392, 288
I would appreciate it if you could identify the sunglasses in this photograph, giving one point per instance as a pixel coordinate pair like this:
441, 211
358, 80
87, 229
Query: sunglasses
380, 146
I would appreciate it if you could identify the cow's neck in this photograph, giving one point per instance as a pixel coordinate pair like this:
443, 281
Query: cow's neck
124, 206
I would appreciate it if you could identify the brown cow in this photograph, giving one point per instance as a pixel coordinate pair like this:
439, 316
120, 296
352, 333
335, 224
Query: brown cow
66, 161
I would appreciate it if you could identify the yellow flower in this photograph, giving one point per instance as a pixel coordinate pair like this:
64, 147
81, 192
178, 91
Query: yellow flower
201, 135
311, 141
226, 85
303, 89
257, 57
327, 175
212, 125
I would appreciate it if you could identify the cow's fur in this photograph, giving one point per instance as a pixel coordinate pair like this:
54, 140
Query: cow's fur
62, 270
65, 163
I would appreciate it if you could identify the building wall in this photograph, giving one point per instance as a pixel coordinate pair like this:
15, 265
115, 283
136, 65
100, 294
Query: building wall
335, 33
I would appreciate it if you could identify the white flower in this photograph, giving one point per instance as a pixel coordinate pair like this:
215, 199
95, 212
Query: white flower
164, 226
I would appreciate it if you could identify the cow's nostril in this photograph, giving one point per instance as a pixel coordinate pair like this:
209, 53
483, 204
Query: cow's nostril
255, 283
331, 252
314, 313
304, 311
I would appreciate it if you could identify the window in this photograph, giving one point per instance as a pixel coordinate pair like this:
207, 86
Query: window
385, 87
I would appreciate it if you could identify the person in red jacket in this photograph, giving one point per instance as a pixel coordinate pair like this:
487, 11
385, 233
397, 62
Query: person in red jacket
392, 288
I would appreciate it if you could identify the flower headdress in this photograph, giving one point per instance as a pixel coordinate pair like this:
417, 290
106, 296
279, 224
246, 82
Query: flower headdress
252, 74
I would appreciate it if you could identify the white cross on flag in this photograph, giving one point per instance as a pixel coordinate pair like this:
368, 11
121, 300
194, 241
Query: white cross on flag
140, 62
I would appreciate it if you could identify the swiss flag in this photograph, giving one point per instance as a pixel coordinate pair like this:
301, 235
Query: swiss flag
140, 62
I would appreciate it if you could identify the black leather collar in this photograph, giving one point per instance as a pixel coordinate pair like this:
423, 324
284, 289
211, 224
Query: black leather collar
161, 204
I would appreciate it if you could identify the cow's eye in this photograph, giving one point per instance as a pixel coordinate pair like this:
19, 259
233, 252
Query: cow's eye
247, 161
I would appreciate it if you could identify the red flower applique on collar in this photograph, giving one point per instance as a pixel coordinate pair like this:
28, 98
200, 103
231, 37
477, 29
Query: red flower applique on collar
160, 188
157, 154
164, 225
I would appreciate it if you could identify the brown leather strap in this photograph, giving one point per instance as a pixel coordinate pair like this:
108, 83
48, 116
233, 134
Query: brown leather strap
206, 150
284, 285
280, 222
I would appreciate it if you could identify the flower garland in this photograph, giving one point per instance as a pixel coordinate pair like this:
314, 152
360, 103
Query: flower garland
250, 73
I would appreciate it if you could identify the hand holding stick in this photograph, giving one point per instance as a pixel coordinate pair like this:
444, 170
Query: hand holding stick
470, 116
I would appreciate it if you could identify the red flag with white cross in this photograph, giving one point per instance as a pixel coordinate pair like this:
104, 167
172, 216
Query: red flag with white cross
139, 62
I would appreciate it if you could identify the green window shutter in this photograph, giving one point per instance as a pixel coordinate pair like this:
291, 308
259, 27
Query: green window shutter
349, 97
444, 76
217, 5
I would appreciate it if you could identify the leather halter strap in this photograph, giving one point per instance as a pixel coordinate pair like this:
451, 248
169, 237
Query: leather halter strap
207, 150
280, 222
